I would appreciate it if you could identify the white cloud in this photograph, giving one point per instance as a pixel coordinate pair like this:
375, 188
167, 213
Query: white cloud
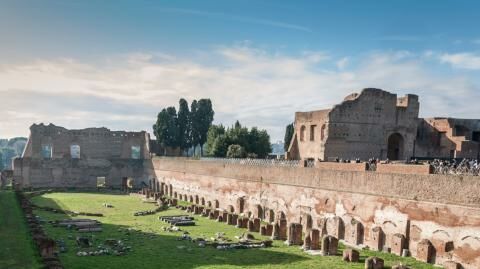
462, 60
342, 63
252, 85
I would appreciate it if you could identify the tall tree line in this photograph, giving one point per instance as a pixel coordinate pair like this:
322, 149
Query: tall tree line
186, 128
237, 142
289, 130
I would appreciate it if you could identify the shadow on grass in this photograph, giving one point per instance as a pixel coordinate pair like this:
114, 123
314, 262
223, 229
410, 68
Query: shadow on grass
152, 249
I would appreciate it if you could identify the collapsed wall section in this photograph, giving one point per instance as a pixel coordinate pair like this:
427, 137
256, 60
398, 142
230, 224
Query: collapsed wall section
393, 212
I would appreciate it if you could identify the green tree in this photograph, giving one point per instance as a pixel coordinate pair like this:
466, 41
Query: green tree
172, 138
240, 135
220, 146
255, 143
194, 136
203, 120
263, 146
160, 128
184, 130
235, 151
2, 164
166, 129
213, 133
288, 136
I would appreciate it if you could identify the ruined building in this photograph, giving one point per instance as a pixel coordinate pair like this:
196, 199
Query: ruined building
55, 156
378, 124
398, 208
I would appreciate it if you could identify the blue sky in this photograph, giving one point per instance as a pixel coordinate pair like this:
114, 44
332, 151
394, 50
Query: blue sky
116, 63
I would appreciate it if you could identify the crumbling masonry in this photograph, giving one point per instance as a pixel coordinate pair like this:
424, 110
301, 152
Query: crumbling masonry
397, 208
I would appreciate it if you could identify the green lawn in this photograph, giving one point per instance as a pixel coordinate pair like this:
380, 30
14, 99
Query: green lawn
16, 247
155, 248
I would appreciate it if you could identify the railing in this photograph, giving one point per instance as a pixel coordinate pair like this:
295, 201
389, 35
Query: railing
445, 168
255, 162
458, 170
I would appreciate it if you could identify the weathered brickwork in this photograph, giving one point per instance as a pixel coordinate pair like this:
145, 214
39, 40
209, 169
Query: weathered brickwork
380, 210
57, 157
378, 124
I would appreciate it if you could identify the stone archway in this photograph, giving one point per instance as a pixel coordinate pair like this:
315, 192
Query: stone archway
395, 147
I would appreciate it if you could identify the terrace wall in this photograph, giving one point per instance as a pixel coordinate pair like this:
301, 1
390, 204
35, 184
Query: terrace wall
442, 209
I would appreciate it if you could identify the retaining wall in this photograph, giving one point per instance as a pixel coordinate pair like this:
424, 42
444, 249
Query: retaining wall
444, 210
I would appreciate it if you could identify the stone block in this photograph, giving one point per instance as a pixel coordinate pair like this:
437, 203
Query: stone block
234, 219
355, 233
315, 239
216, 213
295, 234
229, 219
425, 251
263, 230
329, 245
269, 229
240, 204
256, 224
283, 229
276, 232
377, 239
224, 216
242, 223
374, 263
307, 241
398, 244
335, 227
351, 255
250, 226
207, 211
451, 265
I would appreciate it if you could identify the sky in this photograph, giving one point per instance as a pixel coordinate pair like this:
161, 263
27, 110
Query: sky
116, 64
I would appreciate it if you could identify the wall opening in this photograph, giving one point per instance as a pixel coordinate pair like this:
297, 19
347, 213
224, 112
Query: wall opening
75, 151
395, 147
101, 182
312, 132
476, 136
47, 151
322, 132
302, 133
135, 152
461, 130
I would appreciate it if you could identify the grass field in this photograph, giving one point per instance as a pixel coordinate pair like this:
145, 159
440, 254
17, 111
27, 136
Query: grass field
16, 247
154, 248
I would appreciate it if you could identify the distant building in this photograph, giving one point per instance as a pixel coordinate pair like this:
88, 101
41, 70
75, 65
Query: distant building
378, 124
278, 151
58, 157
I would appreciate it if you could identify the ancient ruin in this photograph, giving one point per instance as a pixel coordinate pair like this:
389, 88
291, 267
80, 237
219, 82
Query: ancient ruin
404, 209
55, 156
378, 124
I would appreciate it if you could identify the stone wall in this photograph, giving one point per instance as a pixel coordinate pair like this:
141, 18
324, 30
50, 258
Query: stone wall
362, 208
55, 157
362, 126
448, 138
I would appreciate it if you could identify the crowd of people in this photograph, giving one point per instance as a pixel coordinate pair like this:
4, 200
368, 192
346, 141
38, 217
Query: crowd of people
444, 167
454, 167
